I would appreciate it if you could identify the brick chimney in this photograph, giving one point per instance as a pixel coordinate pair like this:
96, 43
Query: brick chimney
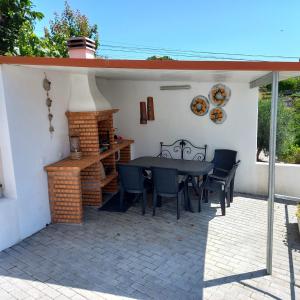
81, 47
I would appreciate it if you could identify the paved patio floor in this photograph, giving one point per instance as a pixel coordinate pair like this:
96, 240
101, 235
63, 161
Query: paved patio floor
127, 255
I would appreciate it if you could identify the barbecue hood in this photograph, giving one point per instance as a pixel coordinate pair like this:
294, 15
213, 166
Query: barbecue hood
85, 95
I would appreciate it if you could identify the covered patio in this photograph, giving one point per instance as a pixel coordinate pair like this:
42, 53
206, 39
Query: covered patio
127, 255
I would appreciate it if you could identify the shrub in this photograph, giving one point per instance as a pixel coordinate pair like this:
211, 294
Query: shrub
298, 211
292, 155
285, 130
297, 156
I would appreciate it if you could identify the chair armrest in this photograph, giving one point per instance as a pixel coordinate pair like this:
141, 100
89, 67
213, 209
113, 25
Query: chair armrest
222, 170
217, 177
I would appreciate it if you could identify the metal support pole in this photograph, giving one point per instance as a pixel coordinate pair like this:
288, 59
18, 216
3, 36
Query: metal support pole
272, 159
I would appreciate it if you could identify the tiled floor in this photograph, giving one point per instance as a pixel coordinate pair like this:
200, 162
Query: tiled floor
127, 255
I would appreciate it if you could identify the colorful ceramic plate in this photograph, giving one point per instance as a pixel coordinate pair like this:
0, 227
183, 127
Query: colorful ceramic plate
200, 105
217, 115
219, 94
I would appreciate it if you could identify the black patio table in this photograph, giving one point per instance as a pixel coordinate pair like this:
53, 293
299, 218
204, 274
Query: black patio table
184, 167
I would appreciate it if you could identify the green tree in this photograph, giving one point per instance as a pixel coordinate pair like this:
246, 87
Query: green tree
291, 84
297, 120
29, 44
70, 23
285, 129
16, 17
155, 57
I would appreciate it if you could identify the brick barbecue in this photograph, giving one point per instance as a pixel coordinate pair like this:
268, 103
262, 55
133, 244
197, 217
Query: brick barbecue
74, 183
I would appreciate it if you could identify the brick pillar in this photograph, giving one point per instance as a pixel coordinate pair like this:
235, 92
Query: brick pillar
65, 197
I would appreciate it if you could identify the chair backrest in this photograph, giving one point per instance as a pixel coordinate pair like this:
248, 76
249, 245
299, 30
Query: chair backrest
224, 159
183, 149
165, 180
131, 177
231, 173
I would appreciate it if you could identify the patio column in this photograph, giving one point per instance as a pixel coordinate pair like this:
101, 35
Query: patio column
272, 159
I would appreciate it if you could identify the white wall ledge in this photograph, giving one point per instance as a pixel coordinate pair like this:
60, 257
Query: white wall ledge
261, 163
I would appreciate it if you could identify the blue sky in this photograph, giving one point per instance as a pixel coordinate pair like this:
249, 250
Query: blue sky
246, 26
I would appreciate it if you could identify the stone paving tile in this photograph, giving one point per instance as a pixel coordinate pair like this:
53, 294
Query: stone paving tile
130, 256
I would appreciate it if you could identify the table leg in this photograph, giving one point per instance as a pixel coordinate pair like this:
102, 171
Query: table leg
188, 204
205, 192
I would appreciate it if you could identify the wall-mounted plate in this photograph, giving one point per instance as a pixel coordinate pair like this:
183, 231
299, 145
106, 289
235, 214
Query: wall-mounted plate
200, 105
217, 115
219, 94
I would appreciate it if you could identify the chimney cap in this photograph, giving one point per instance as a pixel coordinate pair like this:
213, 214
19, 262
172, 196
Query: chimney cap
81, 43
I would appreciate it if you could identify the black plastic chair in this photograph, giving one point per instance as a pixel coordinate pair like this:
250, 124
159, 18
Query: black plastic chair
165, 184
223, 161
221, 185
132, 181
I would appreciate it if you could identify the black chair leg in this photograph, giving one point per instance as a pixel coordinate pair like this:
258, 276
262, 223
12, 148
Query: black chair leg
144, 201
154, 202
205, 192
159, 201
200, 199
136, 198
122, 192
194, 184
178, 206
222, 201
231, 190
228, 198
186, 194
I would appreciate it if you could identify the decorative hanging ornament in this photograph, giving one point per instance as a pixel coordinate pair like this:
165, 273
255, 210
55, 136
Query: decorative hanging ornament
219, 94
200, 105
47, 87
46, 84
217, 115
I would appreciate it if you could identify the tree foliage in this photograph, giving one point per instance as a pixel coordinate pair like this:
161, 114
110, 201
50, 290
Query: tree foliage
285, 129
17, 37
17, 18
291, 84
297, 120
155, 57
70, 23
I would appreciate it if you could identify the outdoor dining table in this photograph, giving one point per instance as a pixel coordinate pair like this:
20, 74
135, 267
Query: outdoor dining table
192, 168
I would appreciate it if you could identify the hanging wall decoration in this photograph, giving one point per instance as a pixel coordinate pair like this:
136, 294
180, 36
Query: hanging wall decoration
150, 108
143, 113
47, 87
200, 105
219, 94
217, 115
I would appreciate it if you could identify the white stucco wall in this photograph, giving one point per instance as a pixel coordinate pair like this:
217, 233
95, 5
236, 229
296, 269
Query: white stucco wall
32, 146
173, 120
287, 177
9, 226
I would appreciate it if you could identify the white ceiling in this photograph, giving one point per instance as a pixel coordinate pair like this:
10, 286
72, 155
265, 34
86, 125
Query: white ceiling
168, 75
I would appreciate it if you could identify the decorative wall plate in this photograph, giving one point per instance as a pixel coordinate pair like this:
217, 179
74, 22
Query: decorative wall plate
217, 115
200, 105
219, 94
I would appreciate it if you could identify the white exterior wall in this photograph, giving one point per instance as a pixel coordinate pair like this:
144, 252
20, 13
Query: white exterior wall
32, 147
9, 225
287, 177
174, 119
